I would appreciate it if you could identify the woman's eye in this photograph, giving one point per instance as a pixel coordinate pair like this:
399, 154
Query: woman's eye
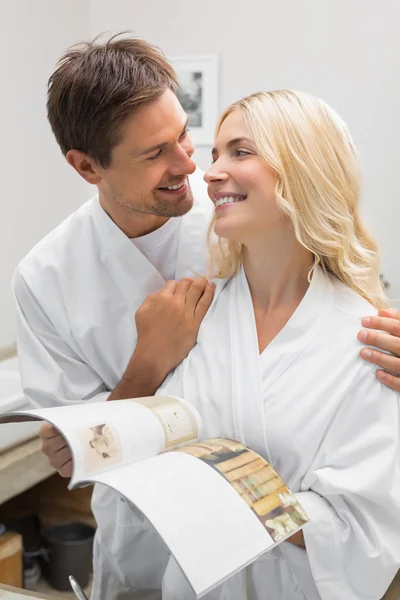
242, 152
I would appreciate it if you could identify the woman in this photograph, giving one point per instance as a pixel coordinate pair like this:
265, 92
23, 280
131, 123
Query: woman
276, 365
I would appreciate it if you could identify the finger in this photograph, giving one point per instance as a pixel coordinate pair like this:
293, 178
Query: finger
47, 431
52, 445
169, 288
389, 380
183, 287
389, 312
60, 458
66, 470
195, 293
382, 341
389, 325
384, 361
205, 302
148, 300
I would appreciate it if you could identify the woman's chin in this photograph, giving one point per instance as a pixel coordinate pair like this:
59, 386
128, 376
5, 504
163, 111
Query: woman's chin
228, 232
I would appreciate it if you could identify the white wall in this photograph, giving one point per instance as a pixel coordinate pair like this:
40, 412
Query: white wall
38, 189
346, 51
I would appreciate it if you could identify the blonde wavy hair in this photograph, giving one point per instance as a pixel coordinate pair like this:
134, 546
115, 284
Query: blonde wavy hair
317, 187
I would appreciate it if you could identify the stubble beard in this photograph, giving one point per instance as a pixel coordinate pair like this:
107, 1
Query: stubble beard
155, 206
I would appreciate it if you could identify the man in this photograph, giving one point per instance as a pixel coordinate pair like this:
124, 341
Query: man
84, 332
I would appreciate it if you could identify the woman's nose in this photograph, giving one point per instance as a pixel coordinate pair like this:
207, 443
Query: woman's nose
215, 173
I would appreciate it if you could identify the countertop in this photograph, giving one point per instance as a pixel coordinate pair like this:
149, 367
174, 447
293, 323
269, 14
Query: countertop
22, 467
11, 593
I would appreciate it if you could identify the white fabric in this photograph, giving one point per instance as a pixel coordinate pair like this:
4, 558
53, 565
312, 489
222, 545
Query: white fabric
312, 407
76, 293
161, 246
309, 404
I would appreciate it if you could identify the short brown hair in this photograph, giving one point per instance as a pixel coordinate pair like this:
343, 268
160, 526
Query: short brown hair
97, 86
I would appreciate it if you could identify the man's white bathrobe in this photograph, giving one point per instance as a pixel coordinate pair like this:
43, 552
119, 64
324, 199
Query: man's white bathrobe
77, 293
315, 410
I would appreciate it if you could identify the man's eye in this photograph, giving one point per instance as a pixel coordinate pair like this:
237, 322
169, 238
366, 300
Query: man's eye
184, 133
155, 155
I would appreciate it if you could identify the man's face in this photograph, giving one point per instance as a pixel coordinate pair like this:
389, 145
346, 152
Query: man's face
154, 155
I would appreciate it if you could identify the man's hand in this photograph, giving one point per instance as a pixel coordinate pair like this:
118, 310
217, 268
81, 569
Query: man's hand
168, 321
167, 325
56, 449
388, 321
297, 539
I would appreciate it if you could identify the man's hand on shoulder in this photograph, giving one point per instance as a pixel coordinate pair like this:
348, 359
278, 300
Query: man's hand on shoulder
167, 325
168, 321
383, 332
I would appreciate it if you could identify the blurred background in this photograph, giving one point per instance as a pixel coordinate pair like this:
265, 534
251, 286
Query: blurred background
345, 51
348, 53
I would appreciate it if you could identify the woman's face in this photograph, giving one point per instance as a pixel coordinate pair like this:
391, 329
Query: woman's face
241, 185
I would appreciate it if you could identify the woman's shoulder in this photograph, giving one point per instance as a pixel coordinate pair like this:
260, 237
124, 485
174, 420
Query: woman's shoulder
339, 332
348, 302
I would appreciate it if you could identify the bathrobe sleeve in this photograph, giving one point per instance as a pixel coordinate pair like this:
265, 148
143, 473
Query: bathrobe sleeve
52, 374
353, 497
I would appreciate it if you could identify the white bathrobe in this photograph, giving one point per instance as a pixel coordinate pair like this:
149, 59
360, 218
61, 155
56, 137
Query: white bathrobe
77, 293
315, 410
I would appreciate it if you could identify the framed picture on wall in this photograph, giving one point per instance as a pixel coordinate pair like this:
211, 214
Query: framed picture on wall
198, 94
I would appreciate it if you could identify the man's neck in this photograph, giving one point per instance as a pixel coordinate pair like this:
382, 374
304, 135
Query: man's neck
134, 224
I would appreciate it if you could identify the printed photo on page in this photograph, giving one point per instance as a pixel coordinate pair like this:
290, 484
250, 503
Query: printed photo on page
258, 484
101, 447
177, 419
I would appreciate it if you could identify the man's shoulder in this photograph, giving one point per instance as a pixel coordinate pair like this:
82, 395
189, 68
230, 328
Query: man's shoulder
59, 243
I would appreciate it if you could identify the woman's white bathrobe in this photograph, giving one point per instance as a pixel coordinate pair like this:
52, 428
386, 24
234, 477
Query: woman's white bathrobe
315, 410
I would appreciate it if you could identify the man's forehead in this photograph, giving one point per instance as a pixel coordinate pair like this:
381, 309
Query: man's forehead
151, 127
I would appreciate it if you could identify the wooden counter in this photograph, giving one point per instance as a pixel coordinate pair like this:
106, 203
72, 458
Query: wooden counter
10, 593
22, 467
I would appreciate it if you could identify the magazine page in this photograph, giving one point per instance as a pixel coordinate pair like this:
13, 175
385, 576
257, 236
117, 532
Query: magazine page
107, 435
215, 503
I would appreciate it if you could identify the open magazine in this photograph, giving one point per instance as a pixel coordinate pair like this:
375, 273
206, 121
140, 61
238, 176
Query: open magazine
217, 504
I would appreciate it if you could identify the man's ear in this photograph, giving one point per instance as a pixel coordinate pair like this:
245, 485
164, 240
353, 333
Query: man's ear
84, 165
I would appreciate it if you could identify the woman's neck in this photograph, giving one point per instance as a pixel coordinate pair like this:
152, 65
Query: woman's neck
277, 270
277, 274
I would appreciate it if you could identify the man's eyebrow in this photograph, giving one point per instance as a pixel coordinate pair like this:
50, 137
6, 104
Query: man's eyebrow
233, 142
153, 148
163, 144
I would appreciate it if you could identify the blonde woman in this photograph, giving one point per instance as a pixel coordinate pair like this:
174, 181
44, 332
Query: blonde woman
277, 364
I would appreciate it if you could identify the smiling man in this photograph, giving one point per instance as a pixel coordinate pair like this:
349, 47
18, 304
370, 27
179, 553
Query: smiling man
105, 303
81, 337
